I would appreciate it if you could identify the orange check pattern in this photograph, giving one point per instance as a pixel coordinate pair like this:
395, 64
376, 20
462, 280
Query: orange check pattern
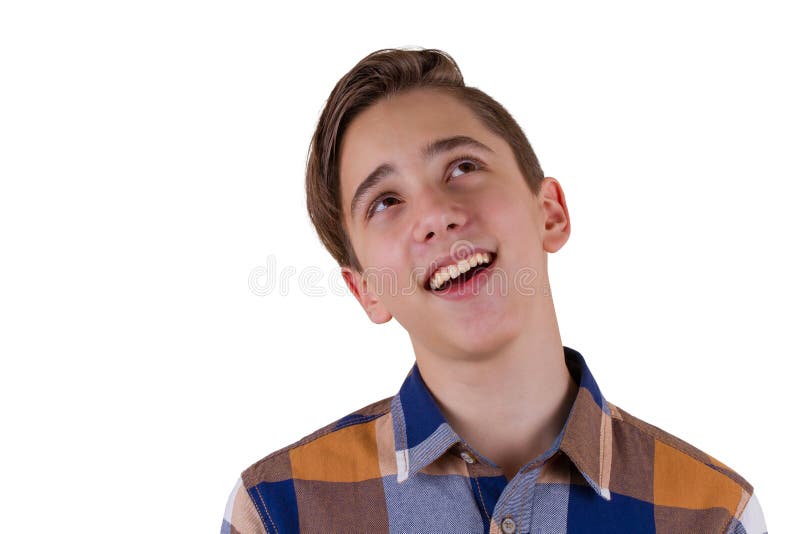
397, 466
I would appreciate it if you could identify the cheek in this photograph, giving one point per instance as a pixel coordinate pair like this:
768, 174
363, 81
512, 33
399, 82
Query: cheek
509, 209
385, 267
496, 204
513, 220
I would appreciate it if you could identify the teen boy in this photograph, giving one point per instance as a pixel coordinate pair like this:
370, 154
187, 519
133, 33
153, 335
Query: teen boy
498, 427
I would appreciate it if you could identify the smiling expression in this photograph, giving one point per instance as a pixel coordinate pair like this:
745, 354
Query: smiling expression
422, 179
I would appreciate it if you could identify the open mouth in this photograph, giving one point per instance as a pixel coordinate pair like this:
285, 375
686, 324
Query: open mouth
461, 278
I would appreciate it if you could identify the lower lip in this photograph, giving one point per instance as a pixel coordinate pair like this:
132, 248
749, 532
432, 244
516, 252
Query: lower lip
469, 289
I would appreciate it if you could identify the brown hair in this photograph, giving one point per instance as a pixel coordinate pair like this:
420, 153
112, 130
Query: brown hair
381, 74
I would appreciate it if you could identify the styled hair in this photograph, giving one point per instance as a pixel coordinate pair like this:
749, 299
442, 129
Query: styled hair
381, 74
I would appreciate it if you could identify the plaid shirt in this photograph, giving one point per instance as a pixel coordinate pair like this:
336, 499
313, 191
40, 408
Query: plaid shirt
397, 465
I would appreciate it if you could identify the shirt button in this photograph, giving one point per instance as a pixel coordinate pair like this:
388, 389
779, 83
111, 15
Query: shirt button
508, 526
467, 457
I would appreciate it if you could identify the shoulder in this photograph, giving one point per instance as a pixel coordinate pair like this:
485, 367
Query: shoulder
685, 484
347, 437
346, 450
672, 455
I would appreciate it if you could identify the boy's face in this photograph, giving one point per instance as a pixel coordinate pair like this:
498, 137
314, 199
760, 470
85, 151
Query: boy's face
460, 198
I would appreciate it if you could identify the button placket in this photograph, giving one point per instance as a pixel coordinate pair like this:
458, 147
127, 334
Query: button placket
513, 510
508, 526
467, 457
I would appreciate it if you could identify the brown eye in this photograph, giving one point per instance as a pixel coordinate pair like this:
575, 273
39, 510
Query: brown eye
465, 165
373, 208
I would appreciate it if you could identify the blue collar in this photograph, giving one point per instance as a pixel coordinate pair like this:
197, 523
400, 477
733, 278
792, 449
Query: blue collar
422, 435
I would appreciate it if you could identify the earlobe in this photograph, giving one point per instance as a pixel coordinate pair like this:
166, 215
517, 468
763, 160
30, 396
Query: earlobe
371, 305
556, 216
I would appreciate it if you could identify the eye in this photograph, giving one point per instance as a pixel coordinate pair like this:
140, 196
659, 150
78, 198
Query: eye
462, 164
373, 207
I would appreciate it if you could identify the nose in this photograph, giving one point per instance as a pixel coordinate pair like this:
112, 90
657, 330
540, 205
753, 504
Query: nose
437, 214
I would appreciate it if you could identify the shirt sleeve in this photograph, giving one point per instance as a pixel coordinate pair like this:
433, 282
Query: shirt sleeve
241, 516
751, 521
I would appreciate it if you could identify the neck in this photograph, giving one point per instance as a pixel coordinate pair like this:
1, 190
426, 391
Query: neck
510, 405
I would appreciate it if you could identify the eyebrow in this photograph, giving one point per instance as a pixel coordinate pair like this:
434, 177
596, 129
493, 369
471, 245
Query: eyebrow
430, 151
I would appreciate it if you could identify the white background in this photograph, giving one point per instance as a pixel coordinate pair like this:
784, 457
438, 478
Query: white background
152, 156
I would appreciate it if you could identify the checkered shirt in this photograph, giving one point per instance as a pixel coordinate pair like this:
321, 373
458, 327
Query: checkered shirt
397, 466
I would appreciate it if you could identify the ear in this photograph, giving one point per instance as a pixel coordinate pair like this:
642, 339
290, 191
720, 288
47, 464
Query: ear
555, 215
358, 286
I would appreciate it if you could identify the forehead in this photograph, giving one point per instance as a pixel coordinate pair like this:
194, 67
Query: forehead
394, 129
405, 121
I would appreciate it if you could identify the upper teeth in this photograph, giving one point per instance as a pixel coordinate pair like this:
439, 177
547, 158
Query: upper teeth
452, 271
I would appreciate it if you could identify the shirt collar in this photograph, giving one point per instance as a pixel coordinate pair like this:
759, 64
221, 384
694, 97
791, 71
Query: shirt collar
421, 433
